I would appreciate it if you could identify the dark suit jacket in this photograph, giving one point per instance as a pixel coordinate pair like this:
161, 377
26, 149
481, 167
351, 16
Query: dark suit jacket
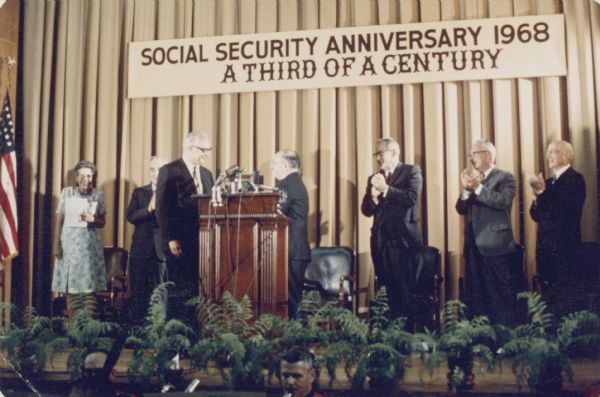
146, 238
395, 216
557, 210
176, 208
488, 214
294, 204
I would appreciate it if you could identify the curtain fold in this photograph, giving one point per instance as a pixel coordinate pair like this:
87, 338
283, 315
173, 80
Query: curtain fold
75, 107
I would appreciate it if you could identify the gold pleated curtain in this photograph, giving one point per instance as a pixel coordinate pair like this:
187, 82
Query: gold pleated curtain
75, 74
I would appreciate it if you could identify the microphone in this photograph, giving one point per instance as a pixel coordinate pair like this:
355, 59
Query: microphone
267, 187
229, 172
192, 386
167, 388
254, 178
220, 179
216, 199
234, 169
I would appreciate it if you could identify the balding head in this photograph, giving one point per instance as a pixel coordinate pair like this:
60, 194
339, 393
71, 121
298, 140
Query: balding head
559, 154
284, 163
154, 166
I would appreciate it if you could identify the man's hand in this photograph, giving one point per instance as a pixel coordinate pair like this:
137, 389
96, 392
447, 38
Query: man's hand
471, 179
175, 248
379, 183
465, 178
152, 204
537, 183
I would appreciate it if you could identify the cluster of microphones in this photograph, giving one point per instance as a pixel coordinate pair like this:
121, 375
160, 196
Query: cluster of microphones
234, 180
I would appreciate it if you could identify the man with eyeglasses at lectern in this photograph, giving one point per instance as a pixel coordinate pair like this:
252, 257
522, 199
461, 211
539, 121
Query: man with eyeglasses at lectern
179, 182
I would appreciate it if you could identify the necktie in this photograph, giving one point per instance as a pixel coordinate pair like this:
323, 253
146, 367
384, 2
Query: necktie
553, 179
196, 177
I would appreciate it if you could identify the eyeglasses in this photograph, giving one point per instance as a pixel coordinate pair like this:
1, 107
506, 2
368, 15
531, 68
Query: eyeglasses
380, 152
478, 152
203, 149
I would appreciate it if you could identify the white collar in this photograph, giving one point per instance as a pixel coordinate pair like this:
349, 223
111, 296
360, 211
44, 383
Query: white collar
390, 172
561, 171
190, 166
487, 173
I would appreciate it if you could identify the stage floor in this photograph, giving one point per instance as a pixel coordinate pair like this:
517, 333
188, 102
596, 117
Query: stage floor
501, 382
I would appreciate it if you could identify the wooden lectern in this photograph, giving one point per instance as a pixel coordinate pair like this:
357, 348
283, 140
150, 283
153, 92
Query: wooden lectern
243, 250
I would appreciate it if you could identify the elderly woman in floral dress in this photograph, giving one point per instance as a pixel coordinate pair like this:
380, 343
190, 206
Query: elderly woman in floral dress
79, 270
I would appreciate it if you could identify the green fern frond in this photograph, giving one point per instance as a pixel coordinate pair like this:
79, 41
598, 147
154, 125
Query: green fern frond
309, 305
156, 312
29, 340
379, 318
7, 308
57, 345
454, 313
177, 327
395, 336
336, 353
424, 342
209, 318
579, 334
382, 364
297, 333
540, 321
349, 327
269, 326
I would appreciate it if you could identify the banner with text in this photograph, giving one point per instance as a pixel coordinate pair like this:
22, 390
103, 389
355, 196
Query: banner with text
531, 46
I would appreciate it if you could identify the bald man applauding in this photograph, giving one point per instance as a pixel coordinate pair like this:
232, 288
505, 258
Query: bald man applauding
557, 210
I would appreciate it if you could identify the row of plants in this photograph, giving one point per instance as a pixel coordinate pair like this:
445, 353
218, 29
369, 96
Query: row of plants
372, 351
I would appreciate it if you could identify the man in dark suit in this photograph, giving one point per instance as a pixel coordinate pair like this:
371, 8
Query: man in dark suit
557, 210
147, 262
179, 182
391, 198
490, 251
293, 204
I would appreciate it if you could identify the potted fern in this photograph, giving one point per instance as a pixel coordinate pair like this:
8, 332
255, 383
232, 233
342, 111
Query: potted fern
541, 352
230, 343
31, 339
383, 360
158, 344
463, 340
86, 334
345, 341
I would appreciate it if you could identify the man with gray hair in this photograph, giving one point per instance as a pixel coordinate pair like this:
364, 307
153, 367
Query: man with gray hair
490, 251
147, 262
178, 184
294, 204
557, 210
391, 198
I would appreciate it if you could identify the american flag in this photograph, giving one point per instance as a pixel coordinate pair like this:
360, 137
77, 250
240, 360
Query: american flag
9, 241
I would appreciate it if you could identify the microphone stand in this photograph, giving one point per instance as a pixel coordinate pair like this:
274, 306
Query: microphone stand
216, 192
23, 379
